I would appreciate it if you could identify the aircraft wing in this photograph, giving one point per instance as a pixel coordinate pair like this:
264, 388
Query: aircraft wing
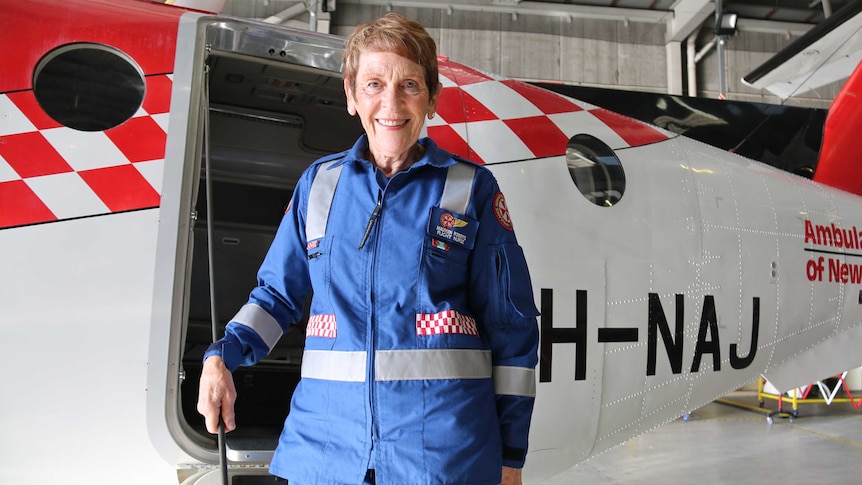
827, 53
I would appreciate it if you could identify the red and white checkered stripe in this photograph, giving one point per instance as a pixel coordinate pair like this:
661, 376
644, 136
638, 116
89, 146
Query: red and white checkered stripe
321, 326
507, 120
445, 322
49, 172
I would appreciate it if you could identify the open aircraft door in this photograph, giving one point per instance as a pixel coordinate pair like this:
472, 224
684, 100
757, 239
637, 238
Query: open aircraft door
258, 103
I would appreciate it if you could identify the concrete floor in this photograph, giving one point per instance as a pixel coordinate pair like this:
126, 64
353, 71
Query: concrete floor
730, 442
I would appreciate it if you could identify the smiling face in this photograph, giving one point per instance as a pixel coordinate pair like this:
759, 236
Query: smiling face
392, 100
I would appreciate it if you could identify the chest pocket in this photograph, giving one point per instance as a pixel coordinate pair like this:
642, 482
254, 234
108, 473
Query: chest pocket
447, 244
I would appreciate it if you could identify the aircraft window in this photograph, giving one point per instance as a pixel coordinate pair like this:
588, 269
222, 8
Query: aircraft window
596, 170
88, 87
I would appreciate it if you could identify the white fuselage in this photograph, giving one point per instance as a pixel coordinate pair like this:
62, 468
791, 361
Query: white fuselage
709, 271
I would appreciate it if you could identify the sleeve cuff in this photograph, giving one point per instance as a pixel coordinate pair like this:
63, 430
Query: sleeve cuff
514, 457
223, 348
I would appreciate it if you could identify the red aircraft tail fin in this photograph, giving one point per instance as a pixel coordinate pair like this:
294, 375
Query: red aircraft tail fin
840, 165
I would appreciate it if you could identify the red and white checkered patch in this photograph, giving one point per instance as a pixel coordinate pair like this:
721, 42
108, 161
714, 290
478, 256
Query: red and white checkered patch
321, 326
491, 120
445, 322
49, 172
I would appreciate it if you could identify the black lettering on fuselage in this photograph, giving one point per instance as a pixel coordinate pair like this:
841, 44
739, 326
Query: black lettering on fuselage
736, 361
708, 324
708, 338
551, 335
672, 345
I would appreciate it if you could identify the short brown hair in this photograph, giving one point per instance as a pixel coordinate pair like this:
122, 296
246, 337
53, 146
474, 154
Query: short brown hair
392, 33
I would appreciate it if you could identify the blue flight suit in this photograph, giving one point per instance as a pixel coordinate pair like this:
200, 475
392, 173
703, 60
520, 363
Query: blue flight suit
421, 342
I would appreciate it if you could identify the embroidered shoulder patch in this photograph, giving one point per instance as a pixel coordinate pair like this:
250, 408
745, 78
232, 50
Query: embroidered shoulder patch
502, 211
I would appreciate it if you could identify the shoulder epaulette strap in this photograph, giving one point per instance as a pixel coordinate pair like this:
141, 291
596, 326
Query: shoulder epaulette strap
333, 156
320, 197
458, 188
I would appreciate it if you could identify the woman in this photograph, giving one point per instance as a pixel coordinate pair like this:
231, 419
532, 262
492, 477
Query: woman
421, 340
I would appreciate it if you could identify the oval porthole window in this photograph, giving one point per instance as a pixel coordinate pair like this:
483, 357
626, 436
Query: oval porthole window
596, 170
88, 87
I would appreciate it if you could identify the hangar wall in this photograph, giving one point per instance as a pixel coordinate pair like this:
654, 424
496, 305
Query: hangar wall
604, 53
630, 55
584, 51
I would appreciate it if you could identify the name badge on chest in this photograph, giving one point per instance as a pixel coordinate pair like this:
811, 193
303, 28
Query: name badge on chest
453, 228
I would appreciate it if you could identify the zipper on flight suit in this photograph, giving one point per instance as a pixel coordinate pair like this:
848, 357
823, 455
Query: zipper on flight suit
375, 214
371, 220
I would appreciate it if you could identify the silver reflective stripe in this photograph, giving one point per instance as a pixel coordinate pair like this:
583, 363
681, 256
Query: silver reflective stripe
320, 200
458, 188
398, 365
333, 365
259, 320
514, 381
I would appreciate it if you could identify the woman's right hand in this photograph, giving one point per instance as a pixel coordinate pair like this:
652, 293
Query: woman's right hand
217, 395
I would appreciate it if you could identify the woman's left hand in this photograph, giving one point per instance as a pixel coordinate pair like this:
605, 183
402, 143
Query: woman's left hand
511, 476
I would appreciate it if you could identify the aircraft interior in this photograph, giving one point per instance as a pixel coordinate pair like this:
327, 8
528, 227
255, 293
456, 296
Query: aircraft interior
267, 122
